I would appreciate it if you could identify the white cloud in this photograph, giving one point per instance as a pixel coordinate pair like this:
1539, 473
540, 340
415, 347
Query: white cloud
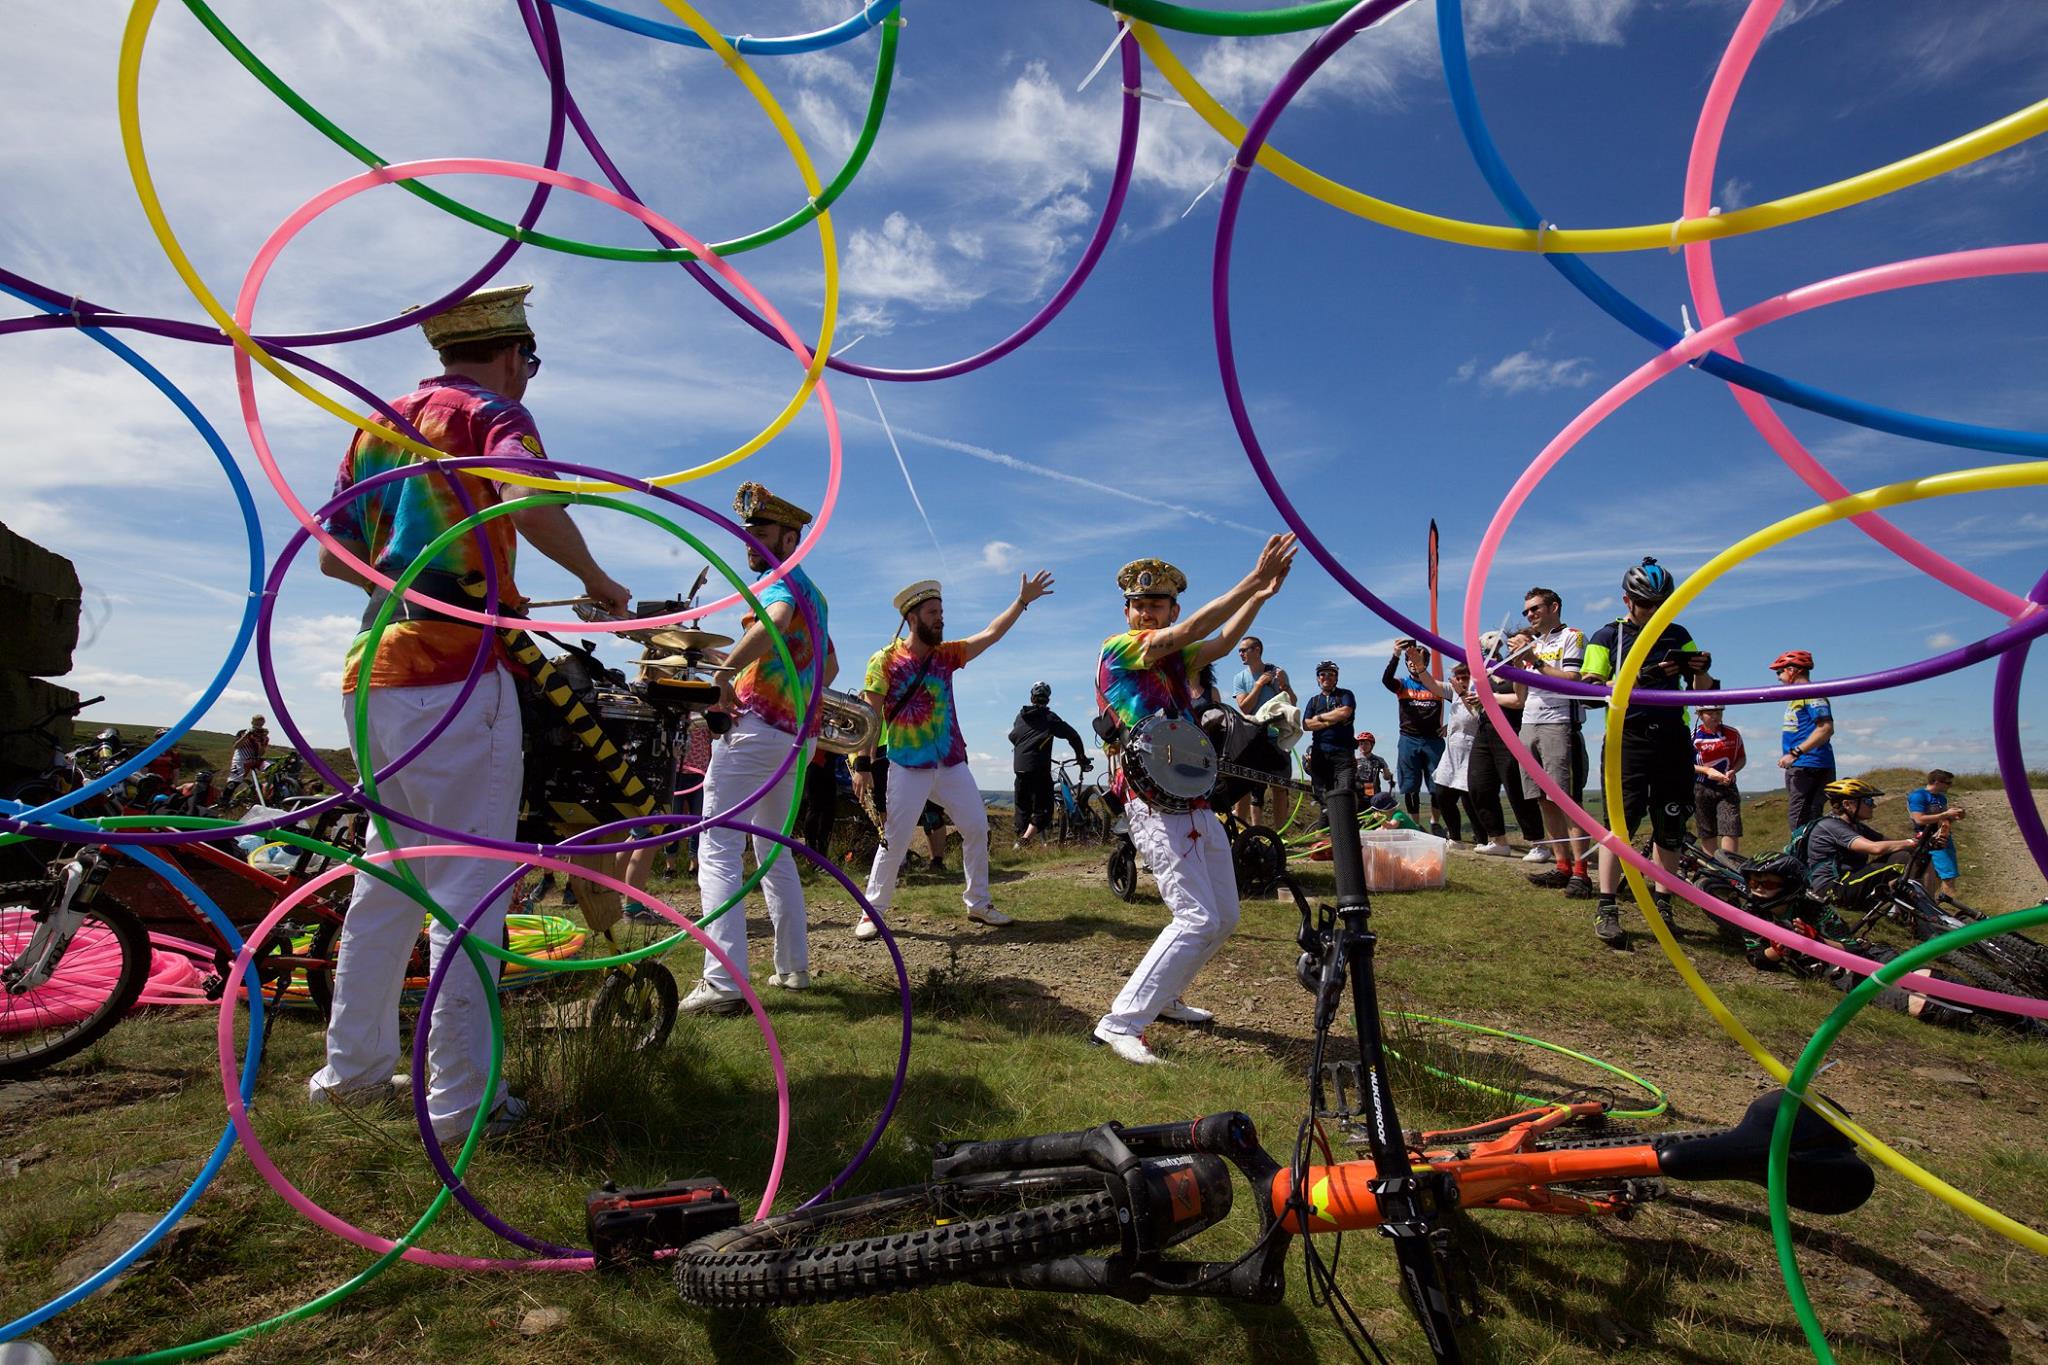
999, 555
902, 262
1528, 372
1942, 639
1734, 193
2006, 168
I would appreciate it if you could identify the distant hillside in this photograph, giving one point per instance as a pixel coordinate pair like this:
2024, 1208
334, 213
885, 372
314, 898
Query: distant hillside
209, 748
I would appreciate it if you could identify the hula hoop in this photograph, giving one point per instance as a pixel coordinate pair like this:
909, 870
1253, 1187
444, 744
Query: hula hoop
874, 14
1989, 140
1808, 1067
504, 469
1655, 1092
1723, 363
135, 35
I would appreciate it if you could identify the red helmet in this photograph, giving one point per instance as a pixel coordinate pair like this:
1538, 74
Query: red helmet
1793, 658
1365, 737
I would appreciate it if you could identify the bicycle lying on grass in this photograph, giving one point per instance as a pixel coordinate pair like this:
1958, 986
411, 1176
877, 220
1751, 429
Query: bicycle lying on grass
1017, 1213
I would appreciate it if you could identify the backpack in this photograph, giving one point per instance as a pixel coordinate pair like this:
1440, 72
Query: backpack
1801, 837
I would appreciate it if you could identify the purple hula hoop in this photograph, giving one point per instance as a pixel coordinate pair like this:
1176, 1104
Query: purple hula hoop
1312, 58
446, 1170
2005, 742
1105, 228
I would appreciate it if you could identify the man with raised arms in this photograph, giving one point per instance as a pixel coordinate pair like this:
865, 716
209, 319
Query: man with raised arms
767, 703
1141, 672
910, 685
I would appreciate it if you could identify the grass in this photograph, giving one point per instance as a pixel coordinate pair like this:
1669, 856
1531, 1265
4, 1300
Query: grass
1001, 1048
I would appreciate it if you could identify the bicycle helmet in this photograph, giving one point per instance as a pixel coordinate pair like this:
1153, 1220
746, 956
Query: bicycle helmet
1041, 693
1648, 581
1787, 870
1326, 666
1793, 658
1851, 789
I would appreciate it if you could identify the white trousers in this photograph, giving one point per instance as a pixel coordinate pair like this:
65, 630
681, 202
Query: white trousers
741, 760
468, 780
954, 789
1189, 855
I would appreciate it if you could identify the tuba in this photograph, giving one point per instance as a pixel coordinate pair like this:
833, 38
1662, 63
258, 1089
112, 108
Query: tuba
846, 723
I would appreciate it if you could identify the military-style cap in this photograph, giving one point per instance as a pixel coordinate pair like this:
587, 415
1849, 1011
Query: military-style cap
1151, 578
755, 503
914, 596
483, 316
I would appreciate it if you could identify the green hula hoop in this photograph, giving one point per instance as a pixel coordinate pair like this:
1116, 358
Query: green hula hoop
1228, 23
871, 126
1650, 1088
1808, 1067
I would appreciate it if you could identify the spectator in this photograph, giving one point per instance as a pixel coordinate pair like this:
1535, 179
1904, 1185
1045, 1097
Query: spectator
1808, 752
1031, 740
1549, 728
1417, 698
1842, 843
1328, 718
1450, 781
1656, 748
1257, 683
250, 746
1927, 806
1489, 764
1371, 776
1717, 755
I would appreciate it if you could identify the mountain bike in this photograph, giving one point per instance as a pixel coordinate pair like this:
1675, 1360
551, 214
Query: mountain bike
1018, 1213
1078, 813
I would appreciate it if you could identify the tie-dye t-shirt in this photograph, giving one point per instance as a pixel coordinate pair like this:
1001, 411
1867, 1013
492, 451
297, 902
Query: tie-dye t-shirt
1125, 685
399, 519
925, 731
765, 687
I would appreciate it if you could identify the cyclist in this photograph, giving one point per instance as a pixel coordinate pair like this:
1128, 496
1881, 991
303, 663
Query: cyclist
1371, 778
250, 746
1839, 846
1421, 708
1328, 718
1929, 806
1031, 740
1656, 741
1550, 727
1808, 756
1717, 756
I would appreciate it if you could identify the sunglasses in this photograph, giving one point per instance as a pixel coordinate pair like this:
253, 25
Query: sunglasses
532, 359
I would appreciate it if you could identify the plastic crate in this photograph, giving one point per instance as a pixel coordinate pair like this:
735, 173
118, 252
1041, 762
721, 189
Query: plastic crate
1402, 860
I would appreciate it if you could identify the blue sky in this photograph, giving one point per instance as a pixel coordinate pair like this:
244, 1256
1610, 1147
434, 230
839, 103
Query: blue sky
1393, 379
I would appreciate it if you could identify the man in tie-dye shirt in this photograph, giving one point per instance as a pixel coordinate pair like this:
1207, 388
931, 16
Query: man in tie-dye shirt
910, 684
1142, 672
468, 779
768, 704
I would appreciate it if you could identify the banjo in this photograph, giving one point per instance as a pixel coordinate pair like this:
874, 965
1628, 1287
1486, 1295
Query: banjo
1169, 763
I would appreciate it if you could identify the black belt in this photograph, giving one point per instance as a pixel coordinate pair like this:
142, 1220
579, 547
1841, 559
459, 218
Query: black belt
462, 590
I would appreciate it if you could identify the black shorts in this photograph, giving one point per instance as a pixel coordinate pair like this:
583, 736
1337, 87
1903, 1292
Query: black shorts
1657, 780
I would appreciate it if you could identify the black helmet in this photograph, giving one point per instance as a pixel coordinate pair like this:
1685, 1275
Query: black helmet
1648, 581
1041, 693
1788, 870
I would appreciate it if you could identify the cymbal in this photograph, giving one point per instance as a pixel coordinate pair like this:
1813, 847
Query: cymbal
675, 639
677, 661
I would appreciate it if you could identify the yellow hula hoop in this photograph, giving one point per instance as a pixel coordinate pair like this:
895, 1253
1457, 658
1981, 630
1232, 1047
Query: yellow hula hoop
136, 34
1986, 479
1986, 141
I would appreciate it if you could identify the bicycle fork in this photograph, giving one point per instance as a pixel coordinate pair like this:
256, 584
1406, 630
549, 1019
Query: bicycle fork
32, 968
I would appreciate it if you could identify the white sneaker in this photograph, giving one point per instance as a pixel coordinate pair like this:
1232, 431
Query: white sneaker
706, 998
1538, 854
510, 1114
990, 916
371, 1096
791, 981
867, 928
1129, 1046
1495, 850
1180, 1012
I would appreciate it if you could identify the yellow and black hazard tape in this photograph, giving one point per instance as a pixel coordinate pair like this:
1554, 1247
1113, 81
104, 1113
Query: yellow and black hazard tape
634, 797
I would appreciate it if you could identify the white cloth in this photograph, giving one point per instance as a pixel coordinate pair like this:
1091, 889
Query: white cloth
1189, 855
467, 780
952, 786
1461, 731
741, 760
1282, 719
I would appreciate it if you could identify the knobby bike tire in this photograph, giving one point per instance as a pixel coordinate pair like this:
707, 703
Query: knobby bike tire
797, 1258
131, 939
324, 947
1123, 870
641, 996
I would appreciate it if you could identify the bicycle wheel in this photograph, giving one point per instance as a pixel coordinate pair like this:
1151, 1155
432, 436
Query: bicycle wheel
900, 1239
95, 982
326, 944
641, 999
1260, 858
1123, 870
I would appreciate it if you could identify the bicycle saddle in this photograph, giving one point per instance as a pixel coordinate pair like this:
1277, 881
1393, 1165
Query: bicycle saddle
1825, 1174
